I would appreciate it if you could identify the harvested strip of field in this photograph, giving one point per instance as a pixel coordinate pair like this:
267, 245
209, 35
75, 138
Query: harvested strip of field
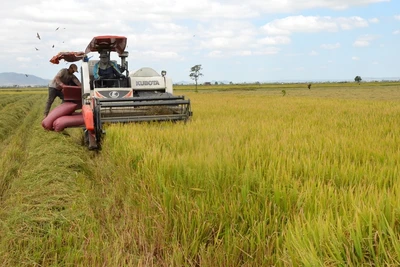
7, 99
13, 113
44, 213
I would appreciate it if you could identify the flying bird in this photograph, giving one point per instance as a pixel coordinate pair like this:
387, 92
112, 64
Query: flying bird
53, 46
57, 28
37, 49
37, 35
26, 75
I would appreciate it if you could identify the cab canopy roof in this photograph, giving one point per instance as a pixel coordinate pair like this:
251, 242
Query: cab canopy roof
107, 42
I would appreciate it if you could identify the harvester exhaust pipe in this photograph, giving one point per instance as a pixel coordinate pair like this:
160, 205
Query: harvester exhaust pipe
124, 63
163, 73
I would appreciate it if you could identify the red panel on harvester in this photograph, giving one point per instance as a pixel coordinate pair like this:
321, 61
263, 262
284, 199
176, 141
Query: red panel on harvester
88, 117
72, 93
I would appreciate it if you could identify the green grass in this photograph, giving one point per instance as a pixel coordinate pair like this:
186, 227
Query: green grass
254, 179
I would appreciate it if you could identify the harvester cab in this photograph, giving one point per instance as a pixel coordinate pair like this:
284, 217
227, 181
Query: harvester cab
138, 96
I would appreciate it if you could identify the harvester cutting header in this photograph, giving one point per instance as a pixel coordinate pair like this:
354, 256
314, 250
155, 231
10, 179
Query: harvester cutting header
110, 93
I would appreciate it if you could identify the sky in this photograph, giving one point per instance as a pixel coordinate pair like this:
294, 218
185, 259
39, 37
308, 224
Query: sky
233, 40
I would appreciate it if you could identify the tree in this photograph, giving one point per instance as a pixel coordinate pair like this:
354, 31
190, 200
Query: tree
195, 73
357, 79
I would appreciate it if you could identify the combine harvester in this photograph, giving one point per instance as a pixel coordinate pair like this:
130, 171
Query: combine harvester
143, 95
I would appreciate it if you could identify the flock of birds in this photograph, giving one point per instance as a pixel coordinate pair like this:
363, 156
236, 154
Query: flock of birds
38, 36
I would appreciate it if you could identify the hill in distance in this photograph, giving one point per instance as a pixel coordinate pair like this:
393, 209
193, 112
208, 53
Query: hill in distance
20, 79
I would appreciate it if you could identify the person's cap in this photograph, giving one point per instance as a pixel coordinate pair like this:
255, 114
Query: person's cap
74, 67
103, 54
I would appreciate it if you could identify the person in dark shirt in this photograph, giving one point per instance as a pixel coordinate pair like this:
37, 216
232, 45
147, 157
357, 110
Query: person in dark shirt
106, 69
62, 78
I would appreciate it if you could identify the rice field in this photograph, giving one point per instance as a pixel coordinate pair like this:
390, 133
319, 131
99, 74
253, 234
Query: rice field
256, 178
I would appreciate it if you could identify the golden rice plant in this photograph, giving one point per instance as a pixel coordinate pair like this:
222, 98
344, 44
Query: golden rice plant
254, 179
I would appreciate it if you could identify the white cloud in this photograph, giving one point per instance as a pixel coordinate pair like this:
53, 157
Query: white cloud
243, 53
267, 51
290, 6
351, 23
215, 54
374, 20
294, 54
361, 43
168, 27
176, 31
293, 24
355, 58
312, 24
330, 46
220, 43
24, 59
364, 40
157, 55
396, 32
23, 66
229, 35
276, 40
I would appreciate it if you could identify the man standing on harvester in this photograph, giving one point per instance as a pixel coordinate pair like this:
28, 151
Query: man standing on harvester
64, 77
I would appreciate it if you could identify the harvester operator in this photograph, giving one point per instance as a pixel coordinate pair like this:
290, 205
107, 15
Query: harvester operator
64, 77
106, 69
